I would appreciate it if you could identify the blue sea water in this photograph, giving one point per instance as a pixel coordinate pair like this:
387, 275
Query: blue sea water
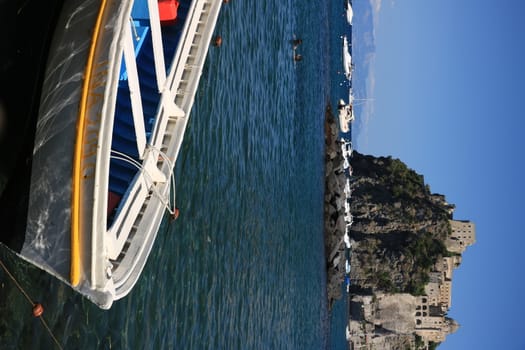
243, 267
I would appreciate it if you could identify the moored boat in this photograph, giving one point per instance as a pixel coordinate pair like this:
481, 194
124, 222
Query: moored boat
345, 115
120, 83
349, 219
347, 190
349, 12
347, 59
347, 207
346, 239
346, 148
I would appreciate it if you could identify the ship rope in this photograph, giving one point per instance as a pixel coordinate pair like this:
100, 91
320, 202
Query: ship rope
169, 203
37, 308
171, 192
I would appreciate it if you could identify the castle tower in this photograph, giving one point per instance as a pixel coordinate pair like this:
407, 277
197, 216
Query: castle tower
463, 234
436, 329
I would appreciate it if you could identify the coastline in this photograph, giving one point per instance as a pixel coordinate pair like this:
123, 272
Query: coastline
334, 223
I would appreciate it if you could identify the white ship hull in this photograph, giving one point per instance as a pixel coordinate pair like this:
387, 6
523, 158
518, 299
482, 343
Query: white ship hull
108, 136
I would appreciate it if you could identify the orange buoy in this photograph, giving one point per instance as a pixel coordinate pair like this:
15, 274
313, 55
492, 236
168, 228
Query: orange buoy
175, 214
38, 310
218, 41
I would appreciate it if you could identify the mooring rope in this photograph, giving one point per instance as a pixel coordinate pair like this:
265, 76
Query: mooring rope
37, 308
171, 184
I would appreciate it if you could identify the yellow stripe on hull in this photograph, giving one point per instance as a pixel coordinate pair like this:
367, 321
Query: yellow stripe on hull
76, 224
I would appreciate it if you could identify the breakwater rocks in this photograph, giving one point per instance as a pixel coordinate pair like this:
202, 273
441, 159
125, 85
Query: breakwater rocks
336, 177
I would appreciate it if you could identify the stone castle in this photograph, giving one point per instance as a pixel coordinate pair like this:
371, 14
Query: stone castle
430, 321
386, 319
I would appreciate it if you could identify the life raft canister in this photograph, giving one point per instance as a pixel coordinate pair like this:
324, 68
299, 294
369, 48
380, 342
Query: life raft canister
168, 11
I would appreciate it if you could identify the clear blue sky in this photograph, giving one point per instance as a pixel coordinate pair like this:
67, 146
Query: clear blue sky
449, 100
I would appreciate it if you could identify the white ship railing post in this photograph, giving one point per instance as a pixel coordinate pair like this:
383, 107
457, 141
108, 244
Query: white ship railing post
158, 51
134, 90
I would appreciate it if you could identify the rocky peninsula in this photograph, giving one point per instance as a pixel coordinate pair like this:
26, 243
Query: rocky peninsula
405, 246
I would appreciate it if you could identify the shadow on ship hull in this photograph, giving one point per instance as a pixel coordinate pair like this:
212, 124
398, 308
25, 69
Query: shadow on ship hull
28, 27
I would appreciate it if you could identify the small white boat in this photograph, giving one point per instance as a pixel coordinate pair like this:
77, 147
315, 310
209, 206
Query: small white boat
346, 148
346, 163
347, 189
119, 87
346, 239
347, 267
347, 332
345, 115
347, 59
349, 12
349, 219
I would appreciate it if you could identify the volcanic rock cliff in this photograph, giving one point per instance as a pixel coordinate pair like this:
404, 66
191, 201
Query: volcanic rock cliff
405, 245
399, 227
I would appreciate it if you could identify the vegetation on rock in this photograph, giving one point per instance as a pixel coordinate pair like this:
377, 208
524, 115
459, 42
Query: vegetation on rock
399, 226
